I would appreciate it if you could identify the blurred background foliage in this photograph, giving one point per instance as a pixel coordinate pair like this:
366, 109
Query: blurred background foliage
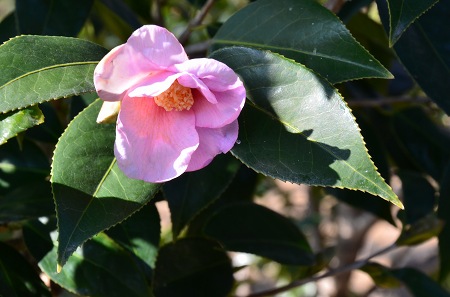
404, 124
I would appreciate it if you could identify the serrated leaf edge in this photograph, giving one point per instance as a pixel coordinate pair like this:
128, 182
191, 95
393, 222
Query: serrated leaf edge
61, 262
392, 40
389, 198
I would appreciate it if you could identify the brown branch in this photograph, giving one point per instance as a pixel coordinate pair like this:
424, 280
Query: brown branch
196, 21
332, 272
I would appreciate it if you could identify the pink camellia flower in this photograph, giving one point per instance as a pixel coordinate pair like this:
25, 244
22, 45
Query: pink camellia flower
176, 114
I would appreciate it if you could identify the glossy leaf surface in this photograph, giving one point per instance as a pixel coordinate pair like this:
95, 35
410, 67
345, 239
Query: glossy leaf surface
193, 191
99, 268
91, 194
403, 13
17, 277
429, 62
297, 128
140, 234
205, 271
14, 122
41, 68
304, 31
251, 228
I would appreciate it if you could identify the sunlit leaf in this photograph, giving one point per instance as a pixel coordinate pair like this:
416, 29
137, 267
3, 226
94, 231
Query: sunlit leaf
41, 68
304, 31
91, 193
14, 122
297, 128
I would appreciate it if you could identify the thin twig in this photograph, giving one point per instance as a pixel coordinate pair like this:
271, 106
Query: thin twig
331, 272
196, 21
388, 101
157, 16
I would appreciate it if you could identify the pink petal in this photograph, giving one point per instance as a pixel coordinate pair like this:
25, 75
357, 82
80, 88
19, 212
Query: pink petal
151, 144
117, 72
229, 105
216, 75
157, 45
212, 143
149, 50
154, 85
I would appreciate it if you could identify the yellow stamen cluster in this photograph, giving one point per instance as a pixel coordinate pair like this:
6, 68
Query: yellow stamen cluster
175, 97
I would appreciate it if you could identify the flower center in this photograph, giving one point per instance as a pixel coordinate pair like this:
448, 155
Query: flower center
175, 97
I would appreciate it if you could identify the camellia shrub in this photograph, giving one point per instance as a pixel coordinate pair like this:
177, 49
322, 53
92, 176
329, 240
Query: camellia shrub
109, 107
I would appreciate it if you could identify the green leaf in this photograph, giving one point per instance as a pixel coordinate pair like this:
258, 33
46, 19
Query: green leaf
91, 193
14, 122
251, 228
403, 13
429, 62
192, 267
421, 230
37, 236
241, 188
62, 18
376, 146
20, 165
444, 236
297, 127
52, 128
17, 277
423, 142
419, 196
418, 283
41, 68
381, 275
31, 200
193, 191
100, 268
140, 234
304, 31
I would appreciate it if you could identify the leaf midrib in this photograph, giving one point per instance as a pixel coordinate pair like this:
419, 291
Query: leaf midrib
89, 204
294, 128
71, 64
280, 48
